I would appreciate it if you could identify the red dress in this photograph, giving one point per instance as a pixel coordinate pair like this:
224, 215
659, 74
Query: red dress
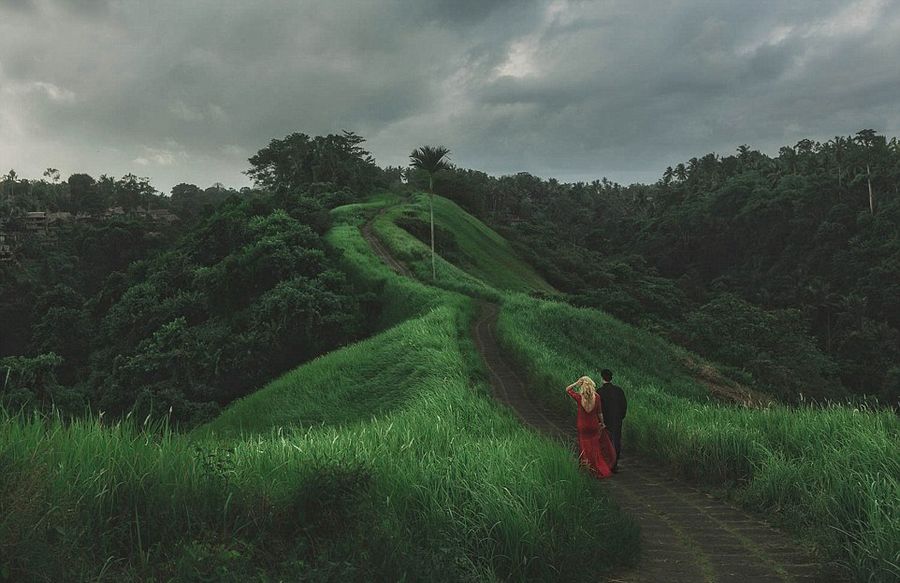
596, 448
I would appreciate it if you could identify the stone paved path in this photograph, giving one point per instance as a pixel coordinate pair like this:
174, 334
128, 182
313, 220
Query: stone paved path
687, 535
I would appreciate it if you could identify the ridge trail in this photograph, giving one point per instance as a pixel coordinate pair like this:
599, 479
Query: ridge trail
379, 249
687, 535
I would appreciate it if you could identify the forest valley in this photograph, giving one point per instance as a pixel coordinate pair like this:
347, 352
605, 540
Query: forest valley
784, 269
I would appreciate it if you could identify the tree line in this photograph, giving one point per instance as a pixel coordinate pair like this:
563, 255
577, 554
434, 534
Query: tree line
784, 268
122, 316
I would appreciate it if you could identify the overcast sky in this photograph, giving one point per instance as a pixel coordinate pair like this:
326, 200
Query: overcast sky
186, 91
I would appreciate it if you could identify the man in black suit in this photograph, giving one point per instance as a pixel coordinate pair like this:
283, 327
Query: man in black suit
614, 404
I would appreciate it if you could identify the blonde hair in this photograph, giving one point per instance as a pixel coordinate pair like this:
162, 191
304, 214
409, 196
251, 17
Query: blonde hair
588, 390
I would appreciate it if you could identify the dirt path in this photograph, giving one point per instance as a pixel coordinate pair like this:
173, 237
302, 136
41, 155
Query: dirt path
381, 251
687, 535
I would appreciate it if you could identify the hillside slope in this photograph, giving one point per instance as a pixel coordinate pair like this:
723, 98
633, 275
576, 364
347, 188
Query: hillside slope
479, 255
778, 460
410, 404
385, 460
395, 443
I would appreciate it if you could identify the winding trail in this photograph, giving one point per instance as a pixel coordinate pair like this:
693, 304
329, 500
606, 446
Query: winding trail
381, 251
687, 535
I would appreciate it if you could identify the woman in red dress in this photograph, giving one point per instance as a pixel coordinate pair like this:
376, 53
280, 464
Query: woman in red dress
596, 448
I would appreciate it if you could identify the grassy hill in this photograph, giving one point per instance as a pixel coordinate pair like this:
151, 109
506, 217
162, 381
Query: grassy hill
395, 443
482, 258
385, 459
831, 475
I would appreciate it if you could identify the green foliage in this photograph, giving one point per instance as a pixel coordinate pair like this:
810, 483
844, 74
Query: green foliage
191, 203
297, 162
430, 160
152, 318
251, 292
772, 345
132, 191
31, 382
86, 197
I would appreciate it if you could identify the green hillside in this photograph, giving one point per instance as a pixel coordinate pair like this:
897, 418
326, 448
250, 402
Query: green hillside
789, 463
395, 443
829, 474
411, 403
481, 256
381, 460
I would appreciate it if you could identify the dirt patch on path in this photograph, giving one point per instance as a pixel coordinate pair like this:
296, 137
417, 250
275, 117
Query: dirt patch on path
687, 535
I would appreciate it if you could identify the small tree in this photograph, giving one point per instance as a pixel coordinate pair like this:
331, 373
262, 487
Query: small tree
430, 159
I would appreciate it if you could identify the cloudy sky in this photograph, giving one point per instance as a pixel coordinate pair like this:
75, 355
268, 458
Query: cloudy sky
186, 91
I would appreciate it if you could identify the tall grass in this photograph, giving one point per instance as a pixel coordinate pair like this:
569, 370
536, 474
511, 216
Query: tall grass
451, 464
438, 471
385, 460
397, 298
832, 474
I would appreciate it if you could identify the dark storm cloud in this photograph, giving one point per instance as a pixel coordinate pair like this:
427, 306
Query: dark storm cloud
186, 91
20, 4
78, 7
642, 88
463, 11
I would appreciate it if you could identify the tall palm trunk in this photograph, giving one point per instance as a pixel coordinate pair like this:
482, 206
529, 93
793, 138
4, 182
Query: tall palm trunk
871, 196
431, 211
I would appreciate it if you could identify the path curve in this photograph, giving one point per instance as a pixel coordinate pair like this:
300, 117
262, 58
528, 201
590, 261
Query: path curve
687, 536
381, 251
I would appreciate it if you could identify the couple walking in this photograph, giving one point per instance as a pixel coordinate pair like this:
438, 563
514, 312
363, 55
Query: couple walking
600, 415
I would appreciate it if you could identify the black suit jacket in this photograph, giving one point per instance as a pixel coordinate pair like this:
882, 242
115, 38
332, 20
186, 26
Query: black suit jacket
614, 404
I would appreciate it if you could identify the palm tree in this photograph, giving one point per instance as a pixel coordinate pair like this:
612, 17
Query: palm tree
9, 182
430, 159
668, 175
744, 157
867, 139
839, 146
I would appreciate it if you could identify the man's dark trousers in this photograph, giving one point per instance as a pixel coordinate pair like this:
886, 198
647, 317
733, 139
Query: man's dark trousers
612, 399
